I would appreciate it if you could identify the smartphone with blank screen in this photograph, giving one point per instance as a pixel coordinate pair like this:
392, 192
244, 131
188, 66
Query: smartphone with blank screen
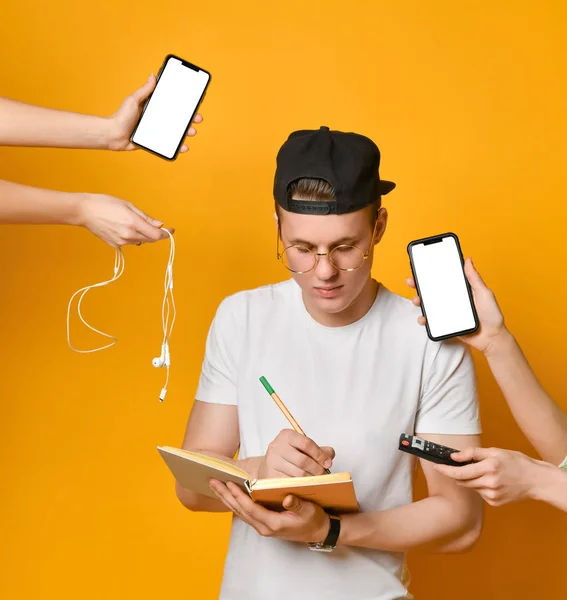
446, 297
169, 111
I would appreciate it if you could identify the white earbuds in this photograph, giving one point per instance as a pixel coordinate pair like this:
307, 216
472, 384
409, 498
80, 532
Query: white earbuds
118, 270
160, 360
164, 359
167, 309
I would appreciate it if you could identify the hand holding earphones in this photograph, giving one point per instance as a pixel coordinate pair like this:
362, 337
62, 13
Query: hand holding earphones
168, 311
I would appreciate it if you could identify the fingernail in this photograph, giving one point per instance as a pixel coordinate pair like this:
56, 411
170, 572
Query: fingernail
327, 463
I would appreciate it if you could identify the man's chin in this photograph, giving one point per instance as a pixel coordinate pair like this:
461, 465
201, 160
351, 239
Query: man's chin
331, 305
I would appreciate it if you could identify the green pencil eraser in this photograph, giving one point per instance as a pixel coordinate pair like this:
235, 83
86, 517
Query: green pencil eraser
268, 387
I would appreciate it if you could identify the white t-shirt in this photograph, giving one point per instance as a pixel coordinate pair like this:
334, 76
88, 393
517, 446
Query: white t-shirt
355, 388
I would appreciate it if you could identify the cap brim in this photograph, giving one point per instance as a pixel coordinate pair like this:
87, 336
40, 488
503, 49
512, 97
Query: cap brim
385, 186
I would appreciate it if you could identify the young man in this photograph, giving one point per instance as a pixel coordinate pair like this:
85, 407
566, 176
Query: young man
346, 358
115, 221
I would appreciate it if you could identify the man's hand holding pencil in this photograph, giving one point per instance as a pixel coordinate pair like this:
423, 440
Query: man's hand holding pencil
292, 453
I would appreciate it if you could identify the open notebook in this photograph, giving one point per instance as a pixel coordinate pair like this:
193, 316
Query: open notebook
193, 471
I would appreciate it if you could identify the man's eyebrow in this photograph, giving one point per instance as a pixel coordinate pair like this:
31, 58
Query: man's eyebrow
339, 242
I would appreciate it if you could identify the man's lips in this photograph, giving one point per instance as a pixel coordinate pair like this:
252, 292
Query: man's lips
328, 291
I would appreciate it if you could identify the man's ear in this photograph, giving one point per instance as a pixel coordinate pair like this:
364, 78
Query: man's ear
382, 221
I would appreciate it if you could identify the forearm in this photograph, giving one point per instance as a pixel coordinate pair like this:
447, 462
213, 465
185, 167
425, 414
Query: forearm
435, 524
28, 125
201, 503
22, 204
540, 418
550, 485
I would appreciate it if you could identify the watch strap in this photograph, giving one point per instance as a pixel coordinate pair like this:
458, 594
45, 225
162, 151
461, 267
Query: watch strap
330, 542
334, 531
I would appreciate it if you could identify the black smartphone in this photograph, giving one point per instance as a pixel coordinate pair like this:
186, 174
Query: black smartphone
446, 297
169, 111
436, 453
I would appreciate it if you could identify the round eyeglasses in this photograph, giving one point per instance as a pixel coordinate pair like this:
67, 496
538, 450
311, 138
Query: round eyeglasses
345, 257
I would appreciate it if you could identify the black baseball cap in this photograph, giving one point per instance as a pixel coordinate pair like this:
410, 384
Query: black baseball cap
348, 161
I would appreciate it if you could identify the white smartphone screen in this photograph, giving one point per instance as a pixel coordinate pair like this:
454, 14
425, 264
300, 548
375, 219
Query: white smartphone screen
442, 286
171, 108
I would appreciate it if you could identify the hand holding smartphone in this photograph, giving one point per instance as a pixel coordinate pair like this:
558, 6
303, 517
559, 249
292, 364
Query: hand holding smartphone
446, 297
169, 111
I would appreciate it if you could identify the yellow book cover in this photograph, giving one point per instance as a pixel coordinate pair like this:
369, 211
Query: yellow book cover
334, 492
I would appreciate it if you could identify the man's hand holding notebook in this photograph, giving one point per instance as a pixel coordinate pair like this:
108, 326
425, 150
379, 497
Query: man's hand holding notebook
293, 465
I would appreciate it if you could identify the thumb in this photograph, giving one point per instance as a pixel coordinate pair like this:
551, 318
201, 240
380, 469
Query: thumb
147, 218
477, 284
293, 504
471, 453
143, 92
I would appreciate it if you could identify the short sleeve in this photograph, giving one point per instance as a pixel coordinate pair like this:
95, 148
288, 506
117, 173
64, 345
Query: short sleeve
449, 401
218, 380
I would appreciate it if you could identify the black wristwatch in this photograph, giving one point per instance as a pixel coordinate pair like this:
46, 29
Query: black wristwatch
330, 542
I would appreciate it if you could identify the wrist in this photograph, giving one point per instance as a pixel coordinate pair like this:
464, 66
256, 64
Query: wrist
320, 535
250, 465
542, 478
346, 536
499, 344
98, 132
73, 213
113, 134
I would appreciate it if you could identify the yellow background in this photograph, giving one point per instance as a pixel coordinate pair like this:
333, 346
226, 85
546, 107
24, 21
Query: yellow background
467, 103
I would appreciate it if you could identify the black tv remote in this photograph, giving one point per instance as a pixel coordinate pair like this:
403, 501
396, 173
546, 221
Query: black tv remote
429, 451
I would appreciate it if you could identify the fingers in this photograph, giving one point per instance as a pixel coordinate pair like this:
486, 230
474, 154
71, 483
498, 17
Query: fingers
244, 507
304, 464
293, 463
149, 233
416, 300
297, 455
478, 483
486, 464
473, 453
463, 473
308, 447
141, 213
142, 93
148, 229
191, 132
329, 451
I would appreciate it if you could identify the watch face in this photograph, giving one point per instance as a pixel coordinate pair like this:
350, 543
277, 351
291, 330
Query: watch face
319, 547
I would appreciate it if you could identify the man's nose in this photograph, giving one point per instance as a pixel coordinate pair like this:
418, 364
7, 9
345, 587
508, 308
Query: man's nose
324, 268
